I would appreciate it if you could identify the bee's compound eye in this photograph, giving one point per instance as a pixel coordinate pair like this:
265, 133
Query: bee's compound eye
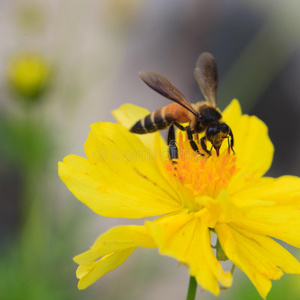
224, 128
199, 117
213, 130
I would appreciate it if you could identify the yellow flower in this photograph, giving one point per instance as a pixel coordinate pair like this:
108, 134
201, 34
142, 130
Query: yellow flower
129, 176
29, 75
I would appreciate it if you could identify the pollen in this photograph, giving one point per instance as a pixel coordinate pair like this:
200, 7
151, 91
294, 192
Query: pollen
202, 175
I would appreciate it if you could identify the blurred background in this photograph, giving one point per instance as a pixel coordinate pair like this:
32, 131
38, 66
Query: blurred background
67, 64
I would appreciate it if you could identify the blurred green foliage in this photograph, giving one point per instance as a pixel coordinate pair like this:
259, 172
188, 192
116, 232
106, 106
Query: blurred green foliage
34, 251
24, 143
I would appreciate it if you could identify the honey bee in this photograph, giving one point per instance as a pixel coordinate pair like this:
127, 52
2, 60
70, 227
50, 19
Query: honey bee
202, 116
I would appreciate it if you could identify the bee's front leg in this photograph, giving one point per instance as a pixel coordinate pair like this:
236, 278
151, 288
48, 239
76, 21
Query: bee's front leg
231, 141
192, 142
203, 145
173, 150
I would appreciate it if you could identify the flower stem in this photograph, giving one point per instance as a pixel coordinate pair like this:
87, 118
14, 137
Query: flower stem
232, 269
192, 289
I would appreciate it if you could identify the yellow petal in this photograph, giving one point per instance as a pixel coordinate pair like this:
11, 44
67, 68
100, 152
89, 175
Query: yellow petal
128, 115
116, 239
186, 238
89, 274
115, 181
252, 146
113, 196
256, 255
274, 208
281, 222
113, 144
237, 255
275, 253
232, 114
109, 251
282, 191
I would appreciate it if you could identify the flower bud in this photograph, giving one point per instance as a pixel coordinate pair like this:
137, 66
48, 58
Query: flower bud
28, 76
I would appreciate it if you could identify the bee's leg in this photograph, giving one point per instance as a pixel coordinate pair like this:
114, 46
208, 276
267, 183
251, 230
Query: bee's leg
173, 150
182, 128
228, 145
203, 145
196, 138
192, 142
231, 141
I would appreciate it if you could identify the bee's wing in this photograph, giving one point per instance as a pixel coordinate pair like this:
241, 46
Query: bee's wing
206, 74
163, 86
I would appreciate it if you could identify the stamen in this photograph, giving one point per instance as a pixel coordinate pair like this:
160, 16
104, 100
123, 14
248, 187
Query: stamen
202, 175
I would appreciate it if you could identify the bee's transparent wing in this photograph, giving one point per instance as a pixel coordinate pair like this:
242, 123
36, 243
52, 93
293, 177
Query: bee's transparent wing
206, 74
163, 86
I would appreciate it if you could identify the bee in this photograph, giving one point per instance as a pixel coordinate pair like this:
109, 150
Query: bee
202, 116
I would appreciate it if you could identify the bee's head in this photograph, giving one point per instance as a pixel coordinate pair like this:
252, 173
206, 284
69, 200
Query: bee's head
216, 133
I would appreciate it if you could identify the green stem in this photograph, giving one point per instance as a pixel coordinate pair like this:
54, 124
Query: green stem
232, 269
192, 289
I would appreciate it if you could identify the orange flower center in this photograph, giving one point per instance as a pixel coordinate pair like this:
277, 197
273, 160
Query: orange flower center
201, 175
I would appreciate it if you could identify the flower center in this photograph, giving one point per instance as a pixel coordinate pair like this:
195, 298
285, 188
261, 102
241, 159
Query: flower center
201, 175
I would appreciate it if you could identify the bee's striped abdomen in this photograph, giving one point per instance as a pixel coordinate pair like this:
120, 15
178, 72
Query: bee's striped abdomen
153, 122
161, 119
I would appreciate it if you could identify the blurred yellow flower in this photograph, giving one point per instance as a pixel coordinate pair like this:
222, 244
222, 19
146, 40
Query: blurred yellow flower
129, 176
120, 14
28, 75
